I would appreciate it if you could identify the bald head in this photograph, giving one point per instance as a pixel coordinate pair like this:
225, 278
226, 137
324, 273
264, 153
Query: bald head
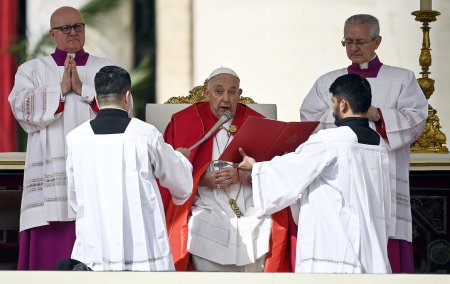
61, 13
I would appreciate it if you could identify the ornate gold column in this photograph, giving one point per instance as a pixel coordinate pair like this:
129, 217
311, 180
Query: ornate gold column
432, 138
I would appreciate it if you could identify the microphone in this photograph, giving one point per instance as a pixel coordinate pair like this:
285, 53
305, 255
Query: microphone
222, 119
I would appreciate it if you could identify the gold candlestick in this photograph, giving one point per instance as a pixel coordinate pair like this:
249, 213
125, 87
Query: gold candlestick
432, 138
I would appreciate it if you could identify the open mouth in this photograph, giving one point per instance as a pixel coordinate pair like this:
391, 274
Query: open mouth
224, 108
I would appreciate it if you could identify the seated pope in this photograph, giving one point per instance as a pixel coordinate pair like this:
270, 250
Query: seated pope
217, 229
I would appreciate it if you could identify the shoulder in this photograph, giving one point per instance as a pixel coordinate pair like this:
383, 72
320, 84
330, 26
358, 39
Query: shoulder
190, 110
393, 71
343, 134
33, 64
80, 131
142, 125
248, 111
95, 60
332, 75
139, 127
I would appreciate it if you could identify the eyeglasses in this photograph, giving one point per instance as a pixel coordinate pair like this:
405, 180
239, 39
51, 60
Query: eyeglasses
356, 42
66, 29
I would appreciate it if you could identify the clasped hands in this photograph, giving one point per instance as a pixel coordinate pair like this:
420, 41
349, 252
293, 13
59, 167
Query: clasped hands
225, 177
70, 81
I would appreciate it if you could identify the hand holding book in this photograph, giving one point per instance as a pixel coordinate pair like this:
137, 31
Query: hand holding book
264, 138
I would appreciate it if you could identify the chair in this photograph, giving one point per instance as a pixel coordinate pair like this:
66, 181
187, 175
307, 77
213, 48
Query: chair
159, 115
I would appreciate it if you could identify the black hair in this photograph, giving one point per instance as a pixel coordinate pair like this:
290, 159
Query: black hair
355, 90
111, 84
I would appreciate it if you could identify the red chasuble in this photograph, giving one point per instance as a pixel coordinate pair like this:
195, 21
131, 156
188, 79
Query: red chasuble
184, 130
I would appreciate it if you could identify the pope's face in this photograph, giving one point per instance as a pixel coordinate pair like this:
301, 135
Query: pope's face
223, 94
73, 41
360, 33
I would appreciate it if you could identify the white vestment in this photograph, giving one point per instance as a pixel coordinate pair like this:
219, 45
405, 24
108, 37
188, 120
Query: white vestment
112, 190
345, 198
397, 94
34, 101
215, 233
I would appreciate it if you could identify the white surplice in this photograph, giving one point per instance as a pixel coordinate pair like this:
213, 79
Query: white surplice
120, 223
404, 108
215, 233
34, 100
345, 201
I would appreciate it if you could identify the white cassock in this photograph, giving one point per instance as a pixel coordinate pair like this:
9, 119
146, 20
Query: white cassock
345, 198
216, 234
404, 108
34, 101
120, 223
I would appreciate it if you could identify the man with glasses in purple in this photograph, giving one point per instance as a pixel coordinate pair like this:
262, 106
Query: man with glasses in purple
51, 96
398, 113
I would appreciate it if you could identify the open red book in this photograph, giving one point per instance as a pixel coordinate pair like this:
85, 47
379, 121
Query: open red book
265, 138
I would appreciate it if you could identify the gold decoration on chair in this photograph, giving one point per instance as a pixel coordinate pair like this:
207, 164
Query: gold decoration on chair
432, 138
196, 95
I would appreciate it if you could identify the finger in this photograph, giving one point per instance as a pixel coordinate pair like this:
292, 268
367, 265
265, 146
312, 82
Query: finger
242, 152
243, 166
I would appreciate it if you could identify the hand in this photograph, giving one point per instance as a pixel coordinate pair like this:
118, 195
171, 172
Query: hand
66, 84
184, 151
247, 161
220, 179
373, 114
74, 78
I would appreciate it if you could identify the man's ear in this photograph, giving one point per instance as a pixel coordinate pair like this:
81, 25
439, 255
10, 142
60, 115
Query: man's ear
377, 42
344, 106
52, 34
127, 96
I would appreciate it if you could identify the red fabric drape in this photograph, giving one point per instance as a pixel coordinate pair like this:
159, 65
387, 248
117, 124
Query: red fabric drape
8, 31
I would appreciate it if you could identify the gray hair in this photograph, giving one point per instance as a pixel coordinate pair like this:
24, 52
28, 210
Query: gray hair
362, 19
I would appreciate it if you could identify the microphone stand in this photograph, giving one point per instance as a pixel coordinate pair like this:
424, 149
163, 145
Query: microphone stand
222, 119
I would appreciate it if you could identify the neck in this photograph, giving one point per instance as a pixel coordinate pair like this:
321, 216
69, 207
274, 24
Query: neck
112, 107
80, 57
367, 69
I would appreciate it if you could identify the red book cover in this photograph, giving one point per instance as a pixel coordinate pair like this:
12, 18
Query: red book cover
265, 138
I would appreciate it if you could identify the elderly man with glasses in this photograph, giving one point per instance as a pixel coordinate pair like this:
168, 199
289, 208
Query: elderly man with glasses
51, 96
398, 113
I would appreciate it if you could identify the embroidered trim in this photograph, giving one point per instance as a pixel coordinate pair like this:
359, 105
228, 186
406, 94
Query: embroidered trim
28, 106
312, 259
403, 199
129, 262
40, 204
407, 220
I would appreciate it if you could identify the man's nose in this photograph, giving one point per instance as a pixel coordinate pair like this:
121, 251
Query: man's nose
354, 46
72, 31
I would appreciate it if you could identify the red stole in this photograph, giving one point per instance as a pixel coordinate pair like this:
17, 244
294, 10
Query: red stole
186, 128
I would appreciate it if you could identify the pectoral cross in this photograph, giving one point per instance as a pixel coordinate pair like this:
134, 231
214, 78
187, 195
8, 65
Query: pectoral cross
235, 208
